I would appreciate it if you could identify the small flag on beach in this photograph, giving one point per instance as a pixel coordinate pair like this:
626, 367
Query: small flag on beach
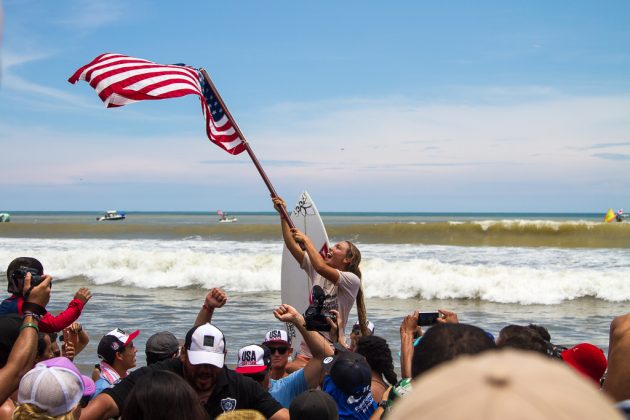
120, 80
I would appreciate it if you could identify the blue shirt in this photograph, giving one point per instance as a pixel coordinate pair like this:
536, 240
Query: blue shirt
101, 384
9, 306
287, 388
351, 406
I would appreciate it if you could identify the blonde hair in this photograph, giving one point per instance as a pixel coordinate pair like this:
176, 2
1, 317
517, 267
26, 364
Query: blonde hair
244, 414
32, 412
353, 266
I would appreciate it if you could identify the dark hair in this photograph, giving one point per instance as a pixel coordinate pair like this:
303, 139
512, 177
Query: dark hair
161, 394
379, 356
41, 343
158, 357
523, 338
444, 342
9, 332
544, 333
30, 262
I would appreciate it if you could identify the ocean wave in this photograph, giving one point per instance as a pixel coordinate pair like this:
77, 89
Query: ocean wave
528, 224
506, 275
498, 233
503, 284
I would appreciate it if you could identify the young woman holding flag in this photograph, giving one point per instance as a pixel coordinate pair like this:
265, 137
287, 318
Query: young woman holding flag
337, 273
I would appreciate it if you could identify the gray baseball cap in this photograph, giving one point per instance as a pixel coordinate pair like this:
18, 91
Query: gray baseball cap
162, 343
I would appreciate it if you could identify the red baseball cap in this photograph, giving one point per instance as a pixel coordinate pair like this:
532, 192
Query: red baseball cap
587, 359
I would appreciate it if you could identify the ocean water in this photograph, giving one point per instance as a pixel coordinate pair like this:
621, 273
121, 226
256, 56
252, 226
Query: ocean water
569, 272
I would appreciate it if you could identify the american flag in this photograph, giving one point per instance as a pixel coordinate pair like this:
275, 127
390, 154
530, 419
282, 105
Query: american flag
120, 80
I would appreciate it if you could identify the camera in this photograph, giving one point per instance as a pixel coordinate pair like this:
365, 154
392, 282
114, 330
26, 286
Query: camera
18, 275
315, 315
554, 350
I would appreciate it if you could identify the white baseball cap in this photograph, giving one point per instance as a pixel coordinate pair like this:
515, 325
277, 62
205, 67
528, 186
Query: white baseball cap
253, 359
277, 336
56, 390
370, 326
205, 344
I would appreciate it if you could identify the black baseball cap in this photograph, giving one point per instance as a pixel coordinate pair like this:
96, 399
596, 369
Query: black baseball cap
349, 371
314, 404
15, 286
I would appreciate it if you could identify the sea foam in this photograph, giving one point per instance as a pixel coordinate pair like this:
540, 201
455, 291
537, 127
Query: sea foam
496, 274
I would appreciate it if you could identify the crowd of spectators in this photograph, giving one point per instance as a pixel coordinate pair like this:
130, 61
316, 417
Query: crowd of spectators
447, 370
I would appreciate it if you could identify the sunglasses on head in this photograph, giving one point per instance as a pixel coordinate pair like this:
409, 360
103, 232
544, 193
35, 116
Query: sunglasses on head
279, 350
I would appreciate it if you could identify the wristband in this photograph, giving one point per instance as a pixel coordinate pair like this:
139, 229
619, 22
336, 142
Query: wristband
33, 307
37, 317
207, 308
30, 325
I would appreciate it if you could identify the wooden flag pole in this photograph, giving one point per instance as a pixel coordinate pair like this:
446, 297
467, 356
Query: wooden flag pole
250, 152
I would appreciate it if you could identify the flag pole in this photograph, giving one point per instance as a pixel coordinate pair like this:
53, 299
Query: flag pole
250, 152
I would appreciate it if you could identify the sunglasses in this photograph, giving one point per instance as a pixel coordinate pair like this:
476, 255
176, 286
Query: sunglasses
279, 350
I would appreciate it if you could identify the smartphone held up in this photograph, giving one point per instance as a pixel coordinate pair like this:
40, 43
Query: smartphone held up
426, 319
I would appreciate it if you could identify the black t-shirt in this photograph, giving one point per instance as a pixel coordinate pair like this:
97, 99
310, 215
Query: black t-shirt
231, 392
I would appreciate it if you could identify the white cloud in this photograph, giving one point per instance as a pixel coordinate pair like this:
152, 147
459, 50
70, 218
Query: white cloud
388, 147
36, 93
530, 139
89, 15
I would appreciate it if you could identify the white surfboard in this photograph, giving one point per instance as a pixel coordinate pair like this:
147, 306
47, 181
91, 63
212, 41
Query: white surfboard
295, 282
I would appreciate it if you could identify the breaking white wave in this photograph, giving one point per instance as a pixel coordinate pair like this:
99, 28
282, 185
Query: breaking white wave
528, 223
509, 275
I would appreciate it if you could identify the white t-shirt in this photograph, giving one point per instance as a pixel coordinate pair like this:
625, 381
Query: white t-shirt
339, 296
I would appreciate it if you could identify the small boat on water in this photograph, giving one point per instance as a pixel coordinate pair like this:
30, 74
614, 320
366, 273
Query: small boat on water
225, 217
111, 215
5, 217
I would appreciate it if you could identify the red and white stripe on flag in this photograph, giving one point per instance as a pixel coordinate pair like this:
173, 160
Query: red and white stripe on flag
119, 80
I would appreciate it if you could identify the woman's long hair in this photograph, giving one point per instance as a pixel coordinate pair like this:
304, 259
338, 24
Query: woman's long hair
379, 356
353, 266
160, 394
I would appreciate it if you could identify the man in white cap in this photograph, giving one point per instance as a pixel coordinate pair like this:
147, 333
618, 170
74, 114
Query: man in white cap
202, 365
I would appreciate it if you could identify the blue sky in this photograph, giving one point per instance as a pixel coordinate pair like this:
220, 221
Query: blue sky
370, 106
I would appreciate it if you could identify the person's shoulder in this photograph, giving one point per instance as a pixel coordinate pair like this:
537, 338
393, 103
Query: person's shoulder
349, 278
236, 378
9, 305
6, 409
295, 376
238, 381
173, 365
292, 377
100, 385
